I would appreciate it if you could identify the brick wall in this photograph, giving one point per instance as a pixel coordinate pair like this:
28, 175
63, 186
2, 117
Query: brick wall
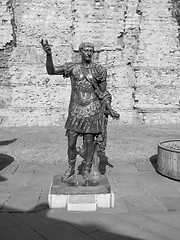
136, 40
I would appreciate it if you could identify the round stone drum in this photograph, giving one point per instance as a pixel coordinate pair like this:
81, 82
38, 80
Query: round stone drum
168, 162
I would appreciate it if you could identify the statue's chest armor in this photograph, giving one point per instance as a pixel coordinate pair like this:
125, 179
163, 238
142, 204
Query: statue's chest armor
83, 90
83, 79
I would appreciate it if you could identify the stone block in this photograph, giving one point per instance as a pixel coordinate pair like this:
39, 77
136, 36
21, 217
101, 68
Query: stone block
57, 201
83, 203
105, 200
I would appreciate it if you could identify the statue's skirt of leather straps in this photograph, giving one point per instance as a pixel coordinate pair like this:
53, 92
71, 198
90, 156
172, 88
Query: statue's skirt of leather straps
85, 119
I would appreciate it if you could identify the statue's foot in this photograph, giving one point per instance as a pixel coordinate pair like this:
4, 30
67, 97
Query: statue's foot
86, 175
87, 178
70, 172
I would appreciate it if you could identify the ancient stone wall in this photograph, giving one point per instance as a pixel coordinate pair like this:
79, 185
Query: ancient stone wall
156, 67
137, 41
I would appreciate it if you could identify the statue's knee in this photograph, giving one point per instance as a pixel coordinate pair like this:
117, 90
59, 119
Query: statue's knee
89, 142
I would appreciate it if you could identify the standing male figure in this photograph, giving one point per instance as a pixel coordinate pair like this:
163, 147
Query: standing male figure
88, 95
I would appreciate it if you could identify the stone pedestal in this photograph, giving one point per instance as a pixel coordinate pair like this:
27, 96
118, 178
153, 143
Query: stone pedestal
76, 196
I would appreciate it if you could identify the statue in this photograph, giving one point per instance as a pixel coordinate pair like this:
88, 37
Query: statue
90, 105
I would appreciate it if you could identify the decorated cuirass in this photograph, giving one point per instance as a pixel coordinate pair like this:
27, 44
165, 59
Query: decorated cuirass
85, 105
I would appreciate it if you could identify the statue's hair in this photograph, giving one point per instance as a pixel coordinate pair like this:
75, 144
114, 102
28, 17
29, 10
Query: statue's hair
85, 44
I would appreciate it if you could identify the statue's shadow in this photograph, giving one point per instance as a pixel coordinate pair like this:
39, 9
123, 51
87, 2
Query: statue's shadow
103, 163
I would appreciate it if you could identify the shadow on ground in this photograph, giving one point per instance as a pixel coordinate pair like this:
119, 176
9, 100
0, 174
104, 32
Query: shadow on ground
7, 142
5, 160
153, 160
38, 225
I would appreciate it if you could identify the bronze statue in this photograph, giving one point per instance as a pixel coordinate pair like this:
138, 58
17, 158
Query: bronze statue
89, 107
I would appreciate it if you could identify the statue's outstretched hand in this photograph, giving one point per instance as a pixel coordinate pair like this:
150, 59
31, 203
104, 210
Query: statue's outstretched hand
46, 46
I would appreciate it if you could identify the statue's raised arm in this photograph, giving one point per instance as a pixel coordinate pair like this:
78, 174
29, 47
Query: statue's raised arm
51, 69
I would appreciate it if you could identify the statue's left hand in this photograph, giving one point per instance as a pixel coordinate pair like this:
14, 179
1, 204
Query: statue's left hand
111, 111
114, 114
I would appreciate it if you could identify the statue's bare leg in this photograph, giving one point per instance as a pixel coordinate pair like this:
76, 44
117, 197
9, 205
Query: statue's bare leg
89, 145
72, 153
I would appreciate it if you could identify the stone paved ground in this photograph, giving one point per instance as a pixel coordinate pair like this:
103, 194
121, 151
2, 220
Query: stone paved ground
147, 205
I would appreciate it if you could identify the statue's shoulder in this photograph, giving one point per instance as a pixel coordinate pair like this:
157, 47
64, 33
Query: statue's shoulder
76, 64
69, 65
99, 67
68, 68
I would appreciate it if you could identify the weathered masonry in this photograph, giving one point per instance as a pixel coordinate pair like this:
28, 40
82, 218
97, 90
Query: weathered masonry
137, 41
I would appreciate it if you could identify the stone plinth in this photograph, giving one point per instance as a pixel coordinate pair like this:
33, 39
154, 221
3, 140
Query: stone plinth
75, 195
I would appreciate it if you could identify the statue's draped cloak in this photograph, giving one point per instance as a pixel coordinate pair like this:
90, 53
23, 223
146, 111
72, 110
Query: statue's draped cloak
85, 116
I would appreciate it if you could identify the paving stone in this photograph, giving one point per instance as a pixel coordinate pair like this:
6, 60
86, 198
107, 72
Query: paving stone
9, 169
2, 179
3, 198
156, 227
19, 232
107, 236
170, 219
143, 203
161, 230
123, 230
86, 223
163, 218
26, 168
8, 220
43, 200
143, 167
174, 183
125, 168
125, 190
134, 218
22, 201
119, 207
127, 177
151, 176
16, 181
162, 189
171, 203
158, 222
63, 231
36, 219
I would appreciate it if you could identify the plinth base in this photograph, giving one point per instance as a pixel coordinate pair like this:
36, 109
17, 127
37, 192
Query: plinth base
76, 196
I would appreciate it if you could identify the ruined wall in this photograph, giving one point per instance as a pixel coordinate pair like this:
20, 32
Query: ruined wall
136, 40
157, 87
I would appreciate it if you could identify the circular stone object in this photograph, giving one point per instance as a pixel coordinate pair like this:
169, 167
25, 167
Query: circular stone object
168, 161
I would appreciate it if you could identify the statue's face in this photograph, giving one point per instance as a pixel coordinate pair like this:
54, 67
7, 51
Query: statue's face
87, 53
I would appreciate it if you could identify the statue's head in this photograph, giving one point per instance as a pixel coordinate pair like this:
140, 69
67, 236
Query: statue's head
86, 50
84, 45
